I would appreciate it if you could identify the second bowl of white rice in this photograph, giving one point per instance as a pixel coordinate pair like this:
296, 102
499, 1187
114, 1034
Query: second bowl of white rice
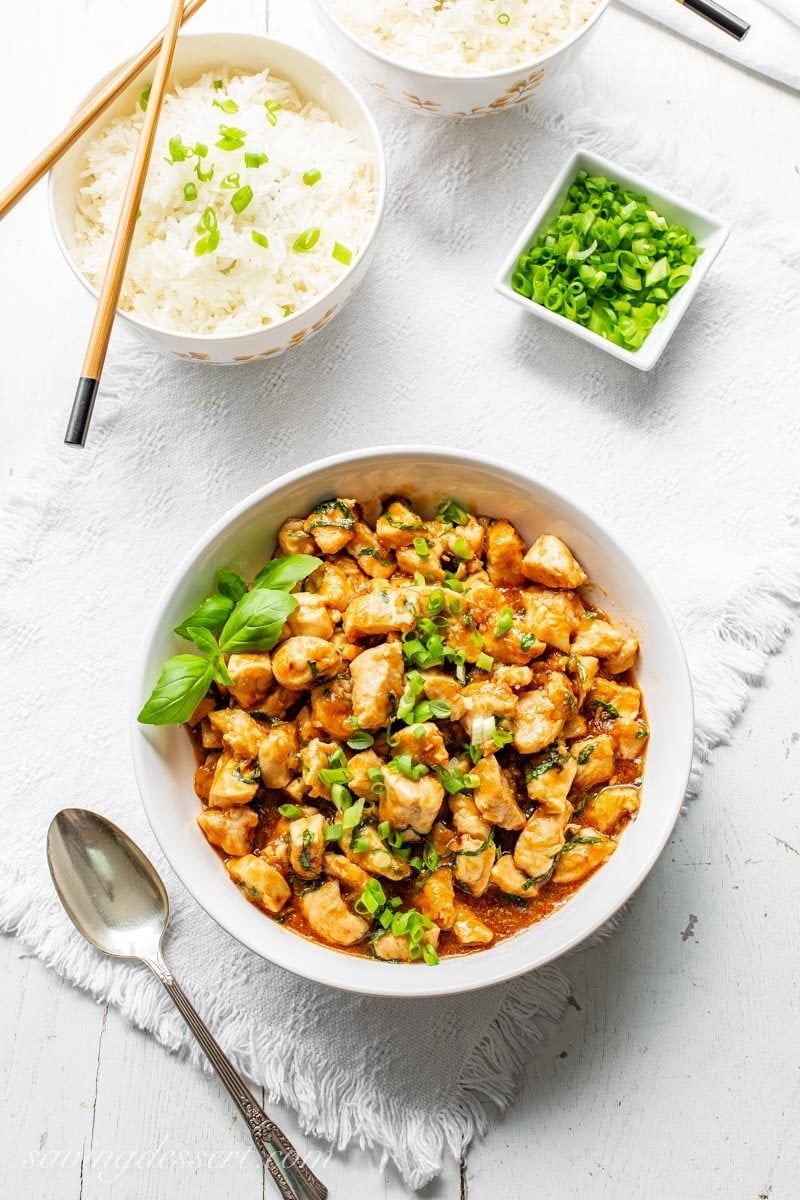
264, 195
457, 58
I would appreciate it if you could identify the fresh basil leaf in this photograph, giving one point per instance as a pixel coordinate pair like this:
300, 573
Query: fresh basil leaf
284, 573
204, 640
182, 684
230, 584
256, 621
211, 613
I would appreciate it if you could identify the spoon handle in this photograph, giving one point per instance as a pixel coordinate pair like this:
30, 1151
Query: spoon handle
294, 1178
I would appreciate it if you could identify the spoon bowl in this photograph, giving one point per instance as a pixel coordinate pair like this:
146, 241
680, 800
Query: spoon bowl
110, 890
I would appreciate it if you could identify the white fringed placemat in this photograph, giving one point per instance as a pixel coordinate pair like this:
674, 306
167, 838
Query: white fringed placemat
692, 466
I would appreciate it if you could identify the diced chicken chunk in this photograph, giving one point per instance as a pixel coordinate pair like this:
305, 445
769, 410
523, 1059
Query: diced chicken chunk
486, 698
548, 781
410, 803
232, 829
428, 564
595, 759
353, 877
551, 562
300, 660
582, 670
439, 686
396, 948
423, 742
366, 550
504, 553
233, 782
539, 843
377, 858
359, 767
377, 676
615, 699
293, 539
552, 616
466, 818
630, 738
251, 675
204, 776
331, 524
469, 929
468, 536
277, 756
379, 611
333, 585
597, 637
495, 798
507, 876
605, 808
624, 658
314, 757
540, 714
332, 707
436, 898
240, 734
311, 617
473, 864
307, 845
398, 525
205, 707
260, 882
329, 916
582, 855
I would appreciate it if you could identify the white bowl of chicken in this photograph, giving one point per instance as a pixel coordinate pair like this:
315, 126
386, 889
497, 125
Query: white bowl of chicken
437, 724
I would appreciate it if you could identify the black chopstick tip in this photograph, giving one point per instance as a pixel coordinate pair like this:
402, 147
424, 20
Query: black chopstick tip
82, 409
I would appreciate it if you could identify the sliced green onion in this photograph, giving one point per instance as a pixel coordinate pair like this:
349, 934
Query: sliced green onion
200, 149
291, 811
359, 845
311, 177
352, 815
217, 84
306, 241
461, 548
360, 740
504, 622
227, 106
484, 662
342, 254
333, 833
272, 108
144, 97
231, 138
260, 239
421, 546
178, 152
231, 182
241, 199
203, 176
209, 231
252, 159
190, 191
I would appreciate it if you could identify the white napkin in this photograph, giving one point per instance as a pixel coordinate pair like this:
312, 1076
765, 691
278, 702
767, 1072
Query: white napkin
692, 466
771, 46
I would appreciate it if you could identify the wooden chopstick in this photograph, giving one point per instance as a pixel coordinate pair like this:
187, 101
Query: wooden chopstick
83, 404
109, 92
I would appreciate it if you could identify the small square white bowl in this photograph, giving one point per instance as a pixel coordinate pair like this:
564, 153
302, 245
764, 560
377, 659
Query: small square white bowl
710, 233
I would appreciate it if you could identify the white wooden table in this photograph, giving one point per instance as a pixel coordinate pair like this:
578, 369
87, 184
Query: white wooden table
676, 1075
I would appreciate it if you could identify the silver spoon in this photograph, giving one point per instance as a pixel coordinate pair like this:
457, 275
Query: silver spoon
115, 898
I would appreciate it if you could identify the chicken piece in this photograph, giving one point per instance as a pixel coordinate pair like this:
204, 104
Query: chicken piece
210, 737
331, 525
551, 562
277, 703
233, 782
423, 742
313, 758
251, 675
468, 536
513, 677
232, 829
332, 707
486, 698
377, 676
495, 798
359, 767
575, 727
597, 637
240, 734
630, 738
548, 781
393, 948
204, 776
205, 707
377, 859
595, 758
300, 660
410, 803
439, 686
473, 865
367, 552
277, 756
333, 585
540, 714
509, 879
346, 649
307, 845
605, 807
293, 539
504, 552
260, 882
311, 617
349, 874
379, 611
398, 525
276, 851
584, 853
466, 818
614, 699
539, 843
469, 929
436, 898
410, 560
329, 916
624, 658
553, 617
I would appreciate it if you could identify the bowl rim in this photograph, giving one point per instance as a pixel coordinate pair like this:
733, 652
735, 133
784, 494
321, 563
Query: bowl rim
297, 318
652, 348
499, 74
419, 984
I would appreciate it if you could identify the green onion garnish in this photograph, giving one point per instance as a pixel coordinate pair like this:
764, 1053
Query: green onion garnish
526, 640
209, 230
241, 199
231, 138
607, 261
360, 740
190, 191
217, 84
251, 159
260, 239
503, 18
178, 152
144, 98
342, 254
231, 182
449, 511
291, 811
484, 662
421, 546
352, 815
203, 176
504, 622
333, 833
200, 149
306, 241
461, 548
227, 106
272, 107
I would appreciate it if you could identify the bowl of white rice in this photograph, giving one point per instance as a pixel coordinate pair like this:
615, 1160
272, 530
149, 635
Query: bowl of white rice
262, 203
457, 58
